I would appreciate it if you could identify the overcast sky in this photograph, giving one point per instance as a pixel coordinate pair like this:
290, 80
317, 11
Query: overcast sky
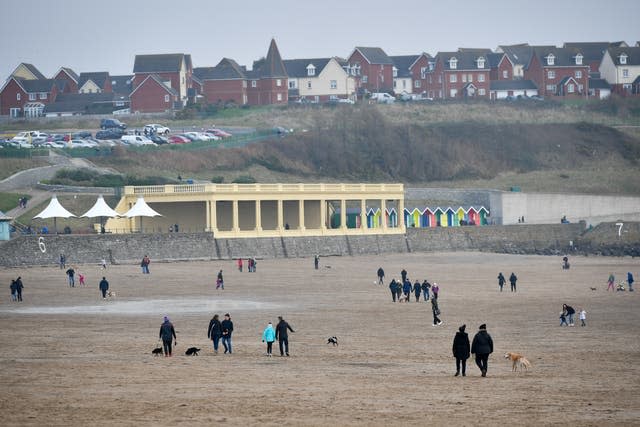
91, 35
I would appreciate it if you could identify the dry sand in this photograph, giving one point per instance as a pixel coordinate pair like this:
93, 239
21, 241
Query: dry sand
69, 358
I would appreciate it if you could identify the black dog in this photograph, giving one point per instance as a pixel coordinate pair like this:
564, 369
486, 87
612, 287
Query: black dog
333, 340
157, 351
192, 351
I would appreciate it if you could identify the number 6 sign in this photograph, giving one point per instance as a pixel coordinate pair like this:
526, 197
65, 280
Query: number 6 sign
41, 245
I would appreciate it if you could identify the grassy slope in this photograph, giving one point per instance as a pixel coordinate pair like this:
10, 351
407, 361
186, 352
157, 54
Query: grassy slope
9, 166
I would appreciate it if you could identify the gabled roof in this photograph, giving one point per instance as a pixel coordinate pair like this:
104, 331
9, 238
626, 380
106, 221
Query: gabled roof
403, 63
592, 51
633, 55
68, 71
298, 67
99, 78
227, 69
466, 60
426, 55
476, 50
161, 63
494, 59
4, 217
32, 86
32, 69
599, 84
512, 85
563, 57
273, 66
374, 55
79, 102
121, 85
158, 80
519, 54
566, 80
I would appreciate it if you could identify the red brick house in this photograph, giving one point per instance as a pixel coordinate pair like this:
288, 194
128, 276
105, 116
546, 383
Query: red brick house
461, 74
593, 52
373, 69
70, 77
501, 67
26, 98
268, 80
153, 95
558, 72
174, 70
27, 72
224, 83
421, 74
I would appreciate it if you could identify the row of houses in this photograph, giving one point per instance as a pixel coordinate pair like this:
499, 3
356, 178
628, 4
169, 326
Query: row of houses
168, 82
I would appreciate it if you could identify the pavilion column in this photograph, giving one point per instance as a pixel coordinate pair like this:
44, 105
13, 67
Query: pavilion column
363, 215
301, 215
323, 215
207, 208
401, 222
280, 216
343, 214
383, 213
213, 216
258, 216
236, 228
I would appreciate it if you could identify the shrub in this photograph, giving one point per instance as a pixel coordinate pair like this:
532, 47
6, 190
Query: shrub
217, 179
244, 179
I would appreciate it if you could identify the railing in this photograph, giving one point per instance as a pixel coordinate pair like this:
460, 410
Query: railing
257, 188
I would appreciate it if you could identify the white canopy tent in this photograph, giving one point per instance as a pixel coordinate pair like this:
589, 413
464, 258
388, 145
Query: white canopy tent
102, 210
54, 210
141, 208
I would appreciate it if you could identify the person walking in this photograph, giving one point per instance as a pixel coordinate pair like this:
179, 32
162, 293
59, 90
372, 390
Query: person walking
104, 264
610, 282
482, 347
104, 287
436, 311
406, 289
569, 311
282, 336
167, 332
269, 336
380, 276
403, 275
81, 279
14, 292
70, 276
501, 281
63, 262
435, 290
227, 331
316, 261
630, 281
19, 288
461, 350
417, 290
145, 264
425, 290
215, 332
220, 281
392, 287
583, 317
513, 279
240, 265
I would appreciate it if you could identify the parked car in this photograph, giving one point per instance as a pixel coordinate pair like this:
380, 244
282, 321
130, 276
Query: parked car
159, 140
25, 136
346, 101
112, 123
81, 135
280, 130
81, 143
219, 133
110, 134
136, 140
156, 128
178, 139
382, 98
53, 144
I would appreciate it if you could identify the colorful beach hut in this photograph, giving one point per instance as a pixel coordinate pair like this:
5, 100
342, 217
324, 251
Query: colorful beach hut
483, 213
391, 217
439, 215
474, 216
450, 213
460, 215
416, 216
427, 219
373, 218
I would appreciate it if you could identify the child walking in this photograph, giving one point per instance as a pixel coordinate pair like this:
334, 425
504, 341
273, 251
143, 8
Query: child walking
583, 317
81, 277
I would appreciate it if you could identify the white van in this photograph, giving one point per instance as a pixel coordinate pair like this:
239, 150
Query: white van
383, 98
136, 140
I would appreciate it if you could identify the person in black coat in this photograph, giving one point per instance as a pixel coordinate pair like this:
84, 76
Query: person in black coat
461, 350
417, 290
19, 287
380, 276
282, 336
215, 332
104, 287
501, 281
513, 279
392, 288
227, 331
167, 332
482, 347
403, 275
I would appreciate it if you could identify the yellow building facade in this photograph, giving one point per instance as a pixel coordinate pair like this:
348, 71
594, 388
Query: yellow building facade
262, 210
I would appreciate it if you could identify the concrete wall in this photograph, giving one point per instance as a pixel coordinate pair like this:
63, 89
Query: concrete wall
462, 197
130, 248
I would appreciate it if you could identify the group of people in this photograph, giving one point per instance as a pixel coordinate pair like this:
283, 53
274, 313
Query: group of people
620, 286
220, 331
567, 313
280, 333
251, 265
22, 202
513, 279
401, 290
481, 347
16, 289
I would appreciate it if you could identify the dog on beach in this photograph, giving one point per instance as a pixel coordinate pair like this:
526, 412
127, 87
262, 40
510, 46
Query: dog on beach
111, 294
403, 298
332, 340
517, 360
592, 288
192, 351
157, 351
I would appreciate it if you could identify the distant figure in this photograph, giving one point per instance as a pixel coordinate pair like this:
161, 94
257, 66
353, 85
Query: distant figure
461, 350
406, 289
81, 279
14, 292
70, 275
104, 264
583, 317
501, 281
425, 290
104, 287
380, 276
63, 259
610, 282
19, 288
392, 288
220, 281
569, 312
565, 263
482, 347
417, 289
282, 336
227, 331
435, 310
167, 332
513, 279
286, 226
435, 290
630, 281
269, 336
215, 332
316, 261
403, 275
240, 265
145, 264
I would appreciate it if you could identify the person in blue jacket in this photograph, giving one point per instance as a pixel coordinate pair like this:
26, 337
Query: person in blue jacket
269, 336
630, 281
406, 289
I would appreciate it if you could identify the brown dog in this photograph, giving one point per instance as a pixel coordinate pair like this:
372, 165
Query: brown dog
517, 359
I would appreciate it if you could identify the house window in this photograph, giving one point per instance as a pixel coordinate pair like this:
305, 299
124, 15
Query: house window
578, 74
43, 95
551, 88
119, 103
623, 59
580, 88
480, 62
14, 112
440, 80
551, 60
32, 97
423, 72
453, 93
333, 84
279, 97
395, 84
395, 72
481, 77
311, 70
464, 78
278, 82
453, 63
292, 84
571, 88
579, 59
482, 92
417, 84
17, 97
470, 78
453, 78
166, 98
308, 84
551, 74
505, 74
625, 73
626, 87
254, 83
365, 79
